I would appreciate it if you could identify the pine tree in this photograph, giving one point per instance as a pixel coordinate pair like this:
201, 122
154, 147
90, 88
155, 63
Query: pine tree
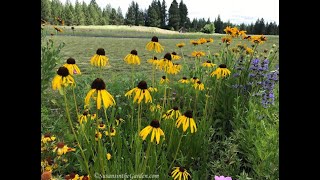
218, 24
183, 10
93, 9
174, 15
87, 15
113, 17
68, 13
120, 18
106, 14
163, 14
152, 17
45, 10
56, 11
79, 15
130, 15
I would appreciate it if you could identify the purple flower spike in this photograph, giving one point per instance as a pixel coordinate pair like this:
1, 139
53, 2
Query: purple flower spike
222, 178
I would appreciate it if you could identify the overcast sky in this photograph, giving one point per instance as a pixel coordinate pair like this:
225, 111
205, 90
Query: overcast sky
237, 11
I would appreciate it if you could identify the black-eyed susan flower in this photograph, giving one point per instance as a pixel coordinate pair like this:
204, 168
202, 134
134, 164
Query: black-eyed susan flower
187, 120
226, 40
164, 80
72, 176
184, 80
62, 79
156, 131
152, 89
132, 58
177, 66
101, 126
175, 56
154, 107
167, 65
83, 118
109, 156
99, 59
194, 79
48, 164
180, 173
47, 138
60, 148
180, 45
154, 45
228, 30
242, 33
210, 40
98, 135
174, 112
202, 41
153, 61
197, 54
141, 92
99, 93
198, 86
249, 50
208, 63
221, 71
166, 116
72, 67
194, 42
119, 120
111, 132
85, 177
58, 29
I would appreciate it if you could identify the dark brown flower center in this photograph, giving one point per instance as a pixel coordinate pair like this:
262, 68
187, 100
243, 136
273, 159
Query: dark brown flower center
111, 130
174, 53
175, 108
85, 178
194, 78
222, 66
184, 78
60, 145
118, 117
72, 175
85, 113
181, 169
163, 77
47, 135
101, 52
63, 71
155, 123
101, 124
97, 135
72, 28
199, 82
167, 56
98, 84
155, 58
208, 61
134, 52
142, 85
71, 61
155, 39
188, 113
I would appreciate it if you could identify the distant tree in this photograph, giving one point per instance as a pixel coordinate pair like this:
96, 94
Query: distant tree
130, 15
69, 13
45, 10
188, 24
242, 26
56, 11
259, 27
79, 18
183, 10
87, 15
120, 18
208, 28
163, 14
95, 12
113, 17
218, 24
153, 19
174, 15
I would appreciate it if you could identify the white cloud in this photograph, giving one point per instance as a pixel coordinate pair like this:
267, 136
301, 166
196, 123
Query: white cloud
237, 11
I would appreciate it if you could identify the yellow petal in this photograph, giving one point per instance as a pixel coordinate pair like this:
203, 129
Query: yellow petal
87, 99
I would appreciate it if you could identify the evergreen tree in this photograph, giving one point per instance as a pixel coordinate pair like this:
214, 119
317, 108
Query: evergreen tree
183, 10
218, 24
130, 15
174, 16
153, 19
79, 15
120, 18
87, 15
45, 10
106, 14
242, 27
56, 10
163, 14
113, 17
69, 13
94, 12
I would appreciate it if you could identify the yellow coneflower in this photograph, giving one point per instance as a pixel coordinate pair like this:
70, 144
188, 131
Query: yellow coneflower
58, 29
166, 116
72, 67
109, 156
83, 118
187, 120
154, 45
152, 89
228, 30
154, 107
153, 61
141, 92
258, 39
202, 41
99, 93
71, 149
249, 50
111, 131
210, 40
99, 59
97, 136
156, 131
85, 177
194, 79
198, 86
226, 39
60, 148
72, 176
164, 79
62, 79
101, 126
198, 54
132, 58
47, 138
47, 164
119, 120
208, 63
174, 112
242, 33
221, 71
246, 37
175, 56
194, 42
184, 80
180, 173
177, 66
167, 65
180, 45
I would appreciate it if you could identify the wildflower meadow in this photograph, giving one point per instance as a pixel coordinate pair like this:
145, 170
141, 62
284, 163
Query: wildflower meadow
198, 107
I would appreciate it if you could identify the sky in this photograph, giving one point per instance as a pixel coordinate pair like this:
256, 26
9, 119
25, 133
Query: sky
237, 11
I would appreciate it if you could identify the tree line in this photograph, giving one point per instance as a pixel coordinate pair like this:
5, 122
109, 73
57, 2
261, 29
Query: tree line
158, 14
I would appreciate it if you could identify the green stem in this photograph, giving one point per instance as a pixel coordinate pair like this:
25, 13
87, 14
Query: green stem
132, 69
139, 117
147, 156
109, 128
75, 102
164, 100
74, 133
175, 156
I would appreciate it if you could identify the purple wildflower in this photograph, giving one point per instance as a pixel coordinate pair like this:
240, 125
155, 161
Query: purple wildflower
222, 178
